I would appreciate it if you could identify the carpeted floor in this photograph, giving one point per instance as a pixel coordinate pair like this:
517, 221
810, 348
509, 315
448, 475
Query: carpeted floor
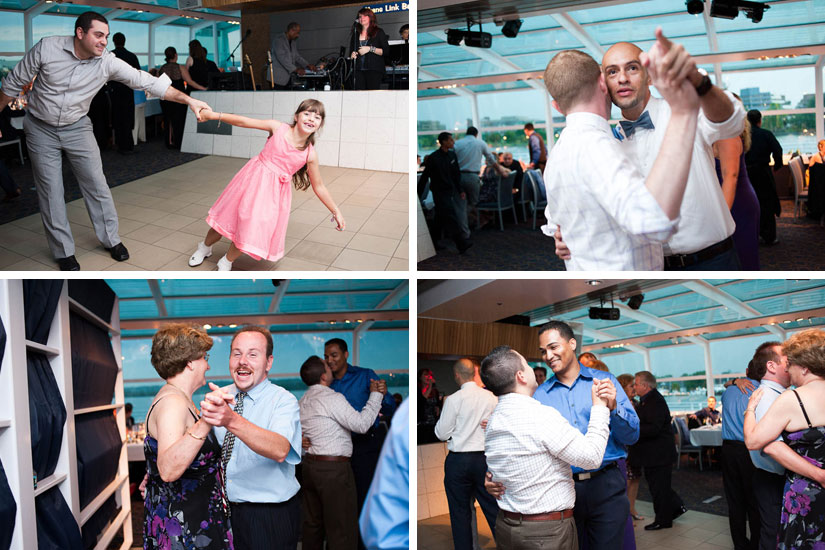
521, 248
695, 487
149, 158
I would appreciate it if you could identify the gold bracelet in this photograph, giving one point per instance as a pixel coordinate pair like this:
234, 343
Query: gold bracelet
220, 116
189, 432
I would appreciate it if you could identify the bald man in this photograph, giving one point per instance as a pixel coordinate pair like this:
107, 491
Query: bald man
465, 465
703, 236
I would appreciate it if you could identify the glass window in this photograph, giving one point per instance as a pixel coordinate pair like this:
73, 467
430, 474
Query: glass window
171, 35
137, 35
11, 37
52, 25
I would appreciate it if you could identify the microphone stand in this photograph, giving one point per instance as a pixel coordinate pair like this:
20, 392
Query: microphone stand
354, 43
232, 57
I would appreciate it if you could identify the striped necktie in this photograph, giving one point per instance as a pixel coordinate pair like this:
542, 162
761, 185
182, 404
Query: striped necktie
229, 438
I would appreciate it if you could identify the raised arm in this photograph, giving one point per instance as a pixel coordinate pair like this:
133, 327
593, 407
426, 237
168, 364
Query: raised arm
729, 152
667, 179
356, 421
243, 121
321, 190
177, 446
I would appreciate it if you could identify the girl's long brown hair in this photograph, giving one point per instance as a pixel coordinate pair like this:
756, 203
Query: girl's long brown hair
301, 179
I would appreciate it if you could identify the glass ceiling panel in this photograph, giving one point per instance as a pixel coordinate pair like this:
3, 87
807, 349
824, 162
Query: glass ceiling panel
236, 305
498, 86
129, 288
553, 39
17, 4
625, 10
200, 287
539, 22
138, 309
665, 291
769, 38
534, 61
630, 330
734, 333
445, 53
674, 27
761, 288
467, 70
334, 285
766, 63
677, 304
434, 93
796, 302
332, 302
425, 38
707, 317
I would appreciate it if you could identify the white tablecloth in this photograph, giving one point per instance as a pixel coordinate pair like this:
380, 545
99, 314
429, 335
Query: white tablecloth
707, 436
134, 452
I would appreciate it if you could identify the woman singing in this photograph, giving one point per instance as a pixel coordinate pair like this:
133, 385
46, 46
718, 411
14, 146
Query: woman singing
369, 57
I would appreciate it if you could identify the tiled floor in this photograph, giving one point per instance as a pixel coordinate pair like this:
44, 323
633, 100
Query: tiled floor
692, 531
162, 220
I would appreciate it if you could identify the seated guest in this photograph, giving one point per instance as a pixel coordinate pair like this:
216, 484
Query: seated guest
184, 494
530, 448
508, 162
130, 420
327, 420
709, 414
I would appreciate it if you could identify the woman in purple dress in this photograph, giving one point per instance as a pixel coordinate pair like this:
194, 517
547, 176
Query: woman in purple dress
740, 196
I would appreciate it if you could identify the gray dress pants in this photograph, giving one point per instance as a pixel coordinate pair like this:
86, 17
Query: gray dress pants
46, 143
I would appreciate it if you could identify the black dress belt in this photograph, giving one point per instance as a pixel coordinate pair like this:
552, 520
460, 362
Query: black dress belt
676, 261
584, 476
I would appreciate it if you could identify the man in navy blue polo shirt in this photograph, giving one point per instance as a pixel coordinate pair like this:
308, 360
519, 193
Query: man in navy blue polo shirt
354, 383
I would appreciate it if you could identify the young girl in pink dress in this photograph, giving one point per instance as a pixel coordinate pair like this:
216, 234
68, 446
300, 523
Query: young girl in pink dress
253, 210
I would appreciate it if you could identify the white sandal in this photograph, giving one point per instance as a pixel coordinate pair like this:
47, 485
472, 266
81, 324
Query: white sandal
202, 252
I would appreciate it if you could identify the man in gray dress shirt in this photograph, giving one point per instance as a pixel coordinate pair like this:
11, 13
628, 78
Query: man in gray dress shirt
70, 70
287, 59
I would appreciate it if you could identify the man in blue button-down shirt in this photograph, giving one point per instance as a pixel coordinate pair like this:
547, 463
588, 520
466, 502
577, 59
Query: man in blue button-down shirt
260, 475
602, 508
354, 383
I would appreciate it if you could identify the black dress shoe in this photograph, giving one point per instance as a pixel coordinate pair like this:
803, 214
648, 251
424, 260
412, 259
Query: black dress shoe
119, 252
679, 512
655, 526
68, 264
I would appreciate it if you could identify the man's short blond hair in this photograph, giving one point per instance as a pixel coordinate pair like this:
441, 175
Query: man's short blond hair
570, 77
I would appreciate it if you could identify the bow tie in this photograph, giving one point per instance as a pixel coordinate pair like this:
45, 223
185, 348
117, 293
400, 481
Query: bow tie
642, 122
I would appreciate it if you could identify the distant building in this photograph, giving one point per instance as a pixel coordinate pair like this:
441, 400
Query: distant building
430, 125
808, 101
754, 98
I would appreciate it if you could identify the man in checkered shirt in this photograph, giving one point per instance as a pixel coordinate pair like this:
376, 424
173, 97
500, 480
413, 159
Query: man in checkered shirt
530, 448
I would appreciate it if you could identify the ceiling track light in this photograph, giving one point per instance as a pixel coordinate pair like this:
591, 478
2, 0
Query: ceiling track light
695, 7
511, 28
729, 9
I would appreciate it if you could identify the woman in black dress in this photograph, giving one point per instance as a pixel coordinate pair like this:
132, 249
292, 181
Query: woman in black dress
369, 56
174, 114
201, 67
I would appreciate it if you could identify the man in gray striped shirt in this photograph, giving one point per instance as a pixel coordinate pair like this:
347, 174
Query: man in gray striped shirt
69, 71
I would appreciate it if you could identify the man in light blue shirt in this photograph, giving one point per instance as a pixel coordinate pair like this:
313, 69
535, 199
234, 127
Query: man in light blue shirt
261, 439
769, 364
385, 520
469, 150
602, 509
737, 468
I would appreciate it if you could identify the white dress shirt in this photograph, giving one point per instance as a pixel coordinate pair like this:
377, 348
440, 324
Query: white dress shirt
530, 448
597, 194
327, 419
469, 150
704, 218
460, 421
771, 390
66, 85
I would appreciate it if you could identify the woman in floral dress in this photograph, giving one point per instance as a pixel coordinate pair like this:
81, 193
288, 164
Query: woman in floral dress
185, 504
799, 415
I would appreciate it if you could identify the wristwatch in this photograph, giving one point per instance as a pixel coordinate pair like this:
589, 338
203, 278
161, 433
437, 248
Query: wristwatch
705, 84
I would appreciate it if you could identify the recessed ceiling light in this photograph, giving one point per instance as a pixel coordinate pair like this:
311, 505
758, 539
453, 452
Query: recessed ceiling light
207, 326
593, 282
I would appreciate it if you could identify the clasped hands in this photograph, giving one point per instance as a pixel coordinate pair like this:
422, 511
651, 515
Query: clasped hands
603, 392
215, 407
379, 386
671, 67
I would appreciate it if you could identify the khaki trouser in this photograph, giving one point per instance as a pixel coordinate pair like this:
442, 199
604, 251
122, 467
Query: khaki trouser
534, 535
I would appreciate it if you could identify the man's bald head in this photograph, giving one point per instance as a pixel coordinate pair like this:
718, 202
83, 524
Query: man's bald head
464, 370
627, 79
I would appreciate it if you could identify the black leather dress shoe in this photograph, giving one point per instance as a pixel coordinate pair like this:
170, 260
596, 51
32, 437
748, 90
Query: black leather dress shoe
68, 264
679, 512
655, 526
119, 252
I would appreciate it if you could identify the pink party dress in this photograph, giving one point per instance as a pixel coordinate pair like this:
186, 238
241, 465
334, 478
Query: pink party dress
253, 210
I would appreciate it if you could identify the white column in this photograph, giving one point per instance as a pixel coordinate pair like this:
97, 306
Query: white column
818, 104
476, 118
708, 367
152, 28
548, 116
28, 16
215, 43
